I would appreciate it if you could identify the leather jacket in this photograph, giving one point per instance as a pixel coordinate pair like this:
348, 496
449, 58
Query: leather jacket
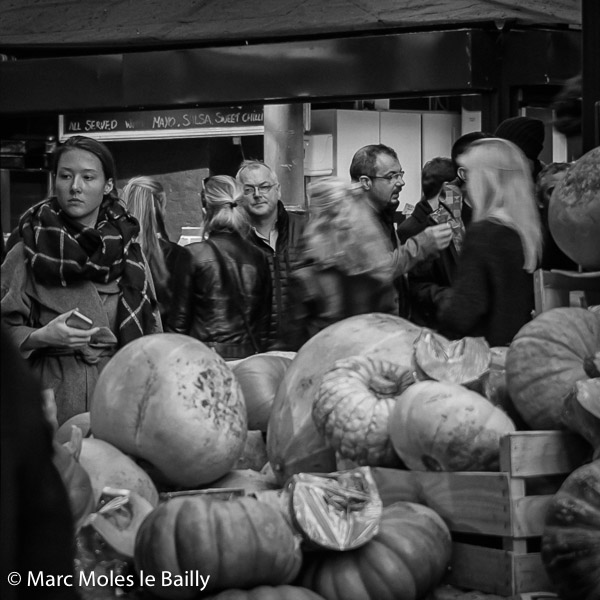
282, 261
206, 307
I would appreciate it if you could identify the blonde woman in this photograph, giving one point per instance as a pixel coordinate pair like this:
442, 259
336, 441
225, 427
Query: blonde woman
145, 199
492, 293
222, 285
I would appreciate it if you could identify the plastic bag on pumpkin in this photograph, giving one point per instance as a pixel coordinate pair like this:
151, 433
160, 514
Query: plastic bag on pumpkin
336, 511
104, 545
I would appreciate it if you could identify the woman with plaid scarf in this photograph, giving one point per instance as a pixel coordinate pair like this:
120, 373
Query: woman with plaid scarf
78, 251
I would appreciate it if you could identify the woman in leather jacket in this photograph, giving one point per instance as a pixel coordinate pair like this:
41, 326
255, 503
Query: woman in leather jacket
222, 289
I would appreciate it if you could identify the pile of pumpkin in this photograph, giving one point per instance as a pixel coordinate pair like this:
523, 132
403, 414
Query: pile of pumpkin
169, 416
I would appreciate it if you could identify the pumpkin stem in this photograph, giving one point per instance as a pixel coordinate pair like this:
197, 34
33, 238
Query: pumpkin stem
382, 386
590, 367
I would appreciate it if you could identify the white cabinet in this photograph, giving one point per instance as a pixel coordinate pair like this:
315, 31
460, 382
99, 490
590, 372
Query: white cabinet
415, 136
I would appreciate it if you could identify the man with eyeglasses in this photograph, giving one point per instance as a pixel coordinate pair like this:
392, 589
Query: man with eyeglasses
277, 232
377, 168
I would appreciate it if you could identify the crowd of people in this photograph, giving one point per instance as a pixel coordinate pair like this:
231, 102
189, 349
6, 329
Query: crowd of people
264, 278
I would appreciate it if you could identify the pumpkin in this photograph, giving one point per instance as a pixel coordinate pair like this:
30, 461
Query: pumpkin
254, 454
581, 412
353, 406
545, 360
293, 443
240, 543
107, 466
170, 400
266, 592
574, 211
438, 426
404, 561
571, 536
74, 476
465, 361
82, 421
259, 377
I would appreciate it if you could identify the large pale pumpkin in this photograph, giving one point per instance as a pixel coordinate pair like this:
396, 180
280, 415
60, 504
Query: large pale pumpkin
353, 407
404, 561
571, 537
545, 360
170, 400
574, 211
240, 543
438, 426
259, 377
293, 443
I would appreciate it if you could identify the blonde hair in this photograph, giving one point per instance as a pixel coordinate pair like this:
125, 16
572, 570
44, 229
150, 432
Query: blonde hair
500, 185
145, 199
341, 231
221, 194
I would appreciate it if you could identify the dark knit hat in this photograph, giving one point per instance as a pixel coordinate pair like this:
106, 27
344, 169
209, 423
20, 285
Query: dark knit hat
527, 133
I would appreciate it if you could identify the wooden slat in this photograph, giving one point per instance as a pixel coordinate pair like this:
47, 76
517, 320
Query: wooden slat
529, 574
469, 502
534, 453
528, 516
486, 569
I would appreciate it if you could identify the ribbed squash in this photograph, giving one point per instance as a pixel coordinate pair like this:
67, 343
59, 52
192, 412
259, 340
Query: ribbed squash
404, 561
571, 537
545, 360
170, 400
240, 543
266, 592
353, 407
446, 427
293, 443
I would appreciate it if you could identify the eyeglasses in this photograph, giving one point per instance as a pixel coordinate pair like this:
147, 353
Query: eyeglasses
390, 176
262, 190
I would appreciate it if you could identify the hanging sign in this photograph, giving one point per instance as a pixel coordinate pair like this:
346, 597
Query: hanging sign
159, 124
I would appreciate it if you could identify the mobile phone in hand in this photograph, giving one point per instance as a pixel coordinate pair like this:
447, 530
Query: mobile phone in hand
79, 321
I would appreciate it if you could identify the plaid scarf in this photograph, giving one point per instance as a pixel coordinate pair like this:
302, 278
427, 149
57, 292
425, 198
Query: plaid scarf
61, 251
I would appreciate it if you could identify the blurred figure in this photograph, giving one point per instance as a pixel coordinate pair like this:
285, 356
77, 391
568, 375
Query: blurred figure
35, 516
278, 233
528, 135
350, 261
78, 250
552, 256
376, 169
145, 199
427, 279
222, 293
492, 293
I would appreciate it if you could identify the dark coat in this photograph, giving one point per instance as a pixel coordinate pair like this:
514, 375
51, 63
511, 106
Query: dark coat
325, 296
164, 292
35, 520
204, 304
286, 257
492, 295
427, 280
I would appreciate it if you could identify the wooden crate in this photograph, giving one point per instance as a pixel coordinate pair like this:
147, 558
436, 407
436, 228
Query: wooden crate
496, 519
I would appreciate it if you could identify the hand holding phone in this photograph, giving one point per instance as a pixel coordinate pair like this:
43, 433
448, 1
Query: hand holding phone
79, 321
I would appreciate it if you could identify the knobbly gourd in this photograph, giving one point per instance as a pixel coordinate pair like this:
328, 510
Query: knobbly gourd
439, 426
170, 400
353, 407
545, 360
405, 560
571, 536
293, 443
574, 211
